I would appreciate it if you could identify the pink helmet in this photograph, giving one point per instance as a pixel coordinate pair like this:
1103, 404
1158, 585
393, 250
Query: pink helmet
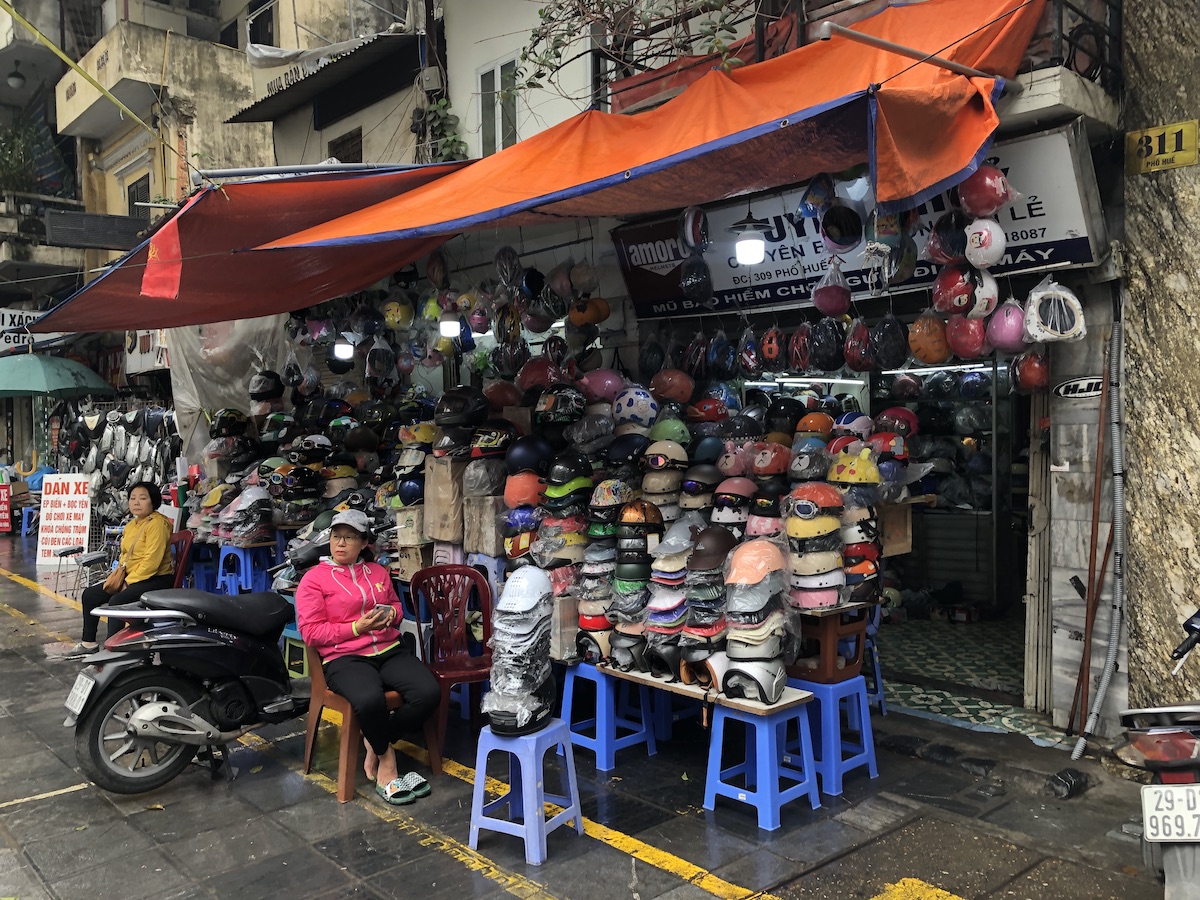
479, 319
1006, 328
764, 526
742, 487
602, 385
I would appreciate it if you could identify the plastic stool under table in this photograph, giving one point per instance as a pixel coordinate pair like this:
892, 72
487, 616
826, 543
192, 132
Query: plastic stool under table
766, 767
608, 719
836, 752
526, 798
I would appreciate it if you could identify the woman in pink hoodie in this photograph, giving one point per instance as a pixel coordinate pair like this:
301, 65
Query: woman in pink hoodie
348, 612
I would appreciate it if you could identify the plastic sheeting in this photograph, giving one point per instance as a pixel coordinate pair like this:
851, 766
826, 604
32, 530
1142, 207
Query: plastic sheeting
211, 368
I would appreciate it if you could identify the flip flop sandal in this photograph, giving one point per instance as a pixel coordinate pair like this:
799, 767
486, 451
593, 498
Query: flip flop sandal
395, 793
416, 785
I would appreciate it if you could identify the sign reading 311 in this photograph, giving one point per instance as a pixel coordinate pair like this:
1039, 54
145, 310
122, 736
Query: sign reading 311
1165, 147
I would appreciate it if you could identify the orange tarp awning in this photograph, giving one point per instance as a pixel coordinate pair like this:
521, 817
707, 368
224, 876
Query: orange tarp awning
823, 107
210, 281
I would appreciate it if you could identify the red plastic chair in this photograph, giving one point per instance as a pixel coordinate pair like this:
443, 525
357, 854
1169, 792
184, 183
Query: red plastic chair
181, 547
449, 592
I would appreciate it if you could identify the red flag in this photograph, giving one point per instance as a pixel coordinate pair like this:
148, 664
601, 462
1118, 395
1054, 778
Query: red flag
164, 258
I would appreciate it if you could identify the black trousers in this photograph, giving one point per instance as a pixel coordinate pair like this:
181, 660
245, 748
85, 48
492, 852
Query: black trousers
95, 596
362, 680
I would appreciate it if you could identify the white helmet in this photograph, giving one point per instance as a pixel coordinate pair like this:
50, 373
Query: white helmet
525, 590
755, 679
635, 405
987, 297
986, 243
769, 648
708, 672
1053, 313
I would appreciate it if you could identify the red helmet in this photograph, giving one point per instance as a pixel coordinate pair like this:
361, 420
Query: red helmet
825, 497
672, 384
541, 371
501, 394
709, 409
838, 444
1031, 372
859, 355
898, 419
954, 289
967, 337
798, 347
888, 445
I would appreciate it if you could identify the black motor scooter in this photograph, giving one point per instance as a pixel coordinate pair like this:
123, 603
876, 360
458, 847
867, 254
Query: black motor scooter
190, 670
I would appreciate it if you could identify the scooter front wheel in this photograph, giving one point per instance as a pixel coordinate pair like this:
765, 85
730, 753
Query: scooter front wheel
115, 758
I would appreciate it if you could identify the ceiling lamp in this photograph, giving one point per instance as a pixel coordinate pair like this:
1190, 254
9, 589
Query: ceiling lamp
448, 325
16, 80
751, 246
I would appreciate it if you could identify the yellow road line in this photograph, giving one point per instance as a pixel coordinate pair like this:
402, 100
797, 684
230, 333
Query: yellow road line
517, 885
627, 844
67, 790
33, 623
914, 889
40, 588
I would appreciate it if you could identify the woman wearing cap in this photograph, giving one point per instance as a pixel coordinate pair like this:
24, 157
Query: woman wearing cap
146, 556
348, 612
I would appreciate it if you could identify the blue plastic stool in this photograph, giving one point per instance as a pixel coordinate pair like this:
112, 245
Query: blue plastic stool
607, 720
248, 571
871, 663
28, 515
526, 797
766, 766
203, 567
830, 742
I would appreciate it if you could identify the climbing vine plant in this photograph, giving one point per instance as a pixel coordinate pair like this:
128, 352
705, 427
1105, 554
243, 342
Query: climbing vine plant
633, 35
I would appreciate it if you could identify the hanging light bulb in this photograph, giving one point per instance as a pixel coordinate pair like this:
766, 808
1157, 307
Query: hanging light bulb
448, 325
343, 349
16, 80
750, 247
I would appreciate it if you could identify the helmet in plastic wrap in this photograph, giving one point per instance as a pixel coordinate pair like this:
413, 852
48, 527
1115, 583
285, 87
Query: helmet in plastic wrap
967, 337
827, 342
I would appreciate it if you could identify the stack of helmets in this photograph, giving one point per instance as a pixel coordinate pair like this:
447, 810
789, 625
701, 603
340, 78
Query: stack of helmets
600, 590
706, 626
766, 514
562, 539
458, 413
301, 496
731, 504
815, 545
754, 579
858, 477
810, 461
668, 600
663, 463
696, 489
527, 463
521, 699
251, 521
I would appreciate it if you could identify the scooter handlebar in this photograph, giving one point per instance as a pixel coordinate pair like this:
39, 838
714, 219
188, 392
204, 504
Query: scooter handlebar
1187, 646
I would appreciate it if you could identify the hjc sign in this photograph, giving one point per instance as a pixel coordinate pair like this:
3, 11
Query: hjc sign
1081, 388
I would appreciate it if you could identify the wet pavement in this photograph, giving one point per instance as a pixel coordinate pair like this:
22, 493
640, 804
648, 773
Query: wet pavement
974, 822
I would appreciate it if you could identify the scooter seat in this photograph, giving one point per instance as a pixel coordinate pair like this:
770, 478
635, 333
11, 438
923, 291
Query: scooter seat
259, 614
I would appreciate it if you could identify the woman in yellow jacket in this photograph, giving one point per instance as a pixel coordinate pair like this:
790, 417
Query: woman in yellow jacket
146, 555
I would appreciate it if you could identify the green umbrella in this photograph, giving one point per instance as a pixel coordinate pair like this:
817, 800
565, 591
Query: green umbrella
29, 374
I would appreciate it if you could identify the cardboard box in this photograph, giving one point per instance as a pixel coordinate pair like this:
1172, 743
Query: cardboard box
410, 527
444, 499
482, 517
19, 489
564, 629
411, 560
895, 527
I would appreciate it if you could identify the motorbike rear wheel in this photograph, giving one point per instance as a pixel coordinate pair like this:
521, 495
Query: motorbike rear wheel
120, 761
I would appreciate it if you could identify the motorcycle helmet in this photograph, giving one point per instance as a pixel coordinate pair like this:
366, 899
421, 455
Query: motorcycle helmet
313, 448
985, 191
227, 422
755, 679
855, 424
927, 339
627, 449
1006, 328
635, 405
985, 243
462, 406
266, 385
559, 404
967, 337
672, 384
524, 489
529, 453
493, 439
711, 548
664, 455
827, 344
602, 385
947, 242
899, 419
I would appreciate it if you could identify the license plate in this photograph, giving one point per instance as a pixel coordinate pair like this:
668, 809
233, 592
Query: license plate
80, 691
1171, 812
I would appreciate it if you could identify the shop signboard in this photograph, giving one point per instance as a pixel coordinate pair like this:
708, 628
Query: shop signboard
66, 512
17, 319
1056, 223
5, 508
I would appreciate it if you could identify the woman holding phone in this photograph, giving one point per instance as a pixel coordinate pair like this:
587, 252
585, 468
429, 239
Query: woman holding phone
349, 613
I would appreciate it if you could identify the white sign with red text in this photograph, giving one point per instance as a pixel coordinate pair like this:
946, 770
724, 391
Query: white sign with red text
65, 515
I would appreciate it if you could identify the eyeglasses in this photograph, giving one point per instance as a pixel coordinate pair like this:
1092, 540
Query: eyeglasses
344, 538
